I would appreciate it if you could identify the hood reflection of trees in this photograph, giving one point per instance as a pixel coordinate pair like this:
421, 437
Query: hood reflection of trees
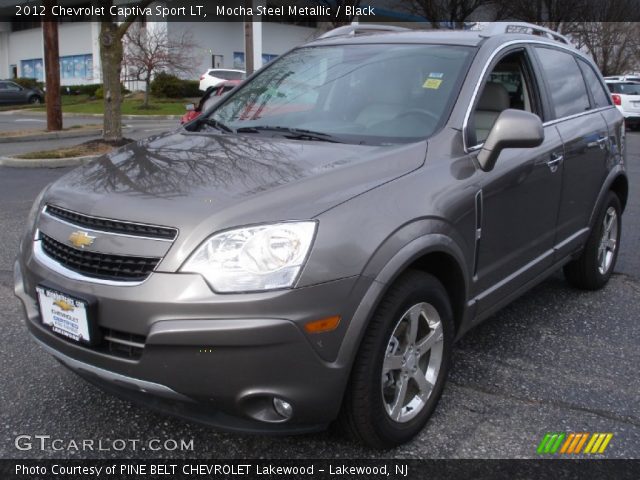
175, 165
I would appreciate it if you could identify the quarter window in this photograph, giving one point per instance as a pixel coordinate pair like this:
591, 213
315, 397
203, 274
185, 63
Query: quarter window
568, 91
600, 96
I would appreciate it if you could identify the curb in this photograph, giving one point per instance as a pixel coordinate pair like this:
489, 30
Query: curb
51, 136
45, 162
97, 115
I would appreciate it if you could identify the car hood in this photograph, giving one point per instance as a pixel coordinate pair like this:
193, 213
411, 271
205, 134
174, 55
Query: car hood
201, 183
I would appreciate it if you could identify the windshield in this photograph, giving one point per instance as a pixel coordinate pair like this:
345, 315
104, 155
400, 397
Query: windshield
372, 94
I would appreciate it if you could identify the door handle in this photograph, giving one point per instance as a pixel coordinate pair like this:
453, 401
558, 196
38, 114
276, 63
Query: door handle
555, 160
600, 142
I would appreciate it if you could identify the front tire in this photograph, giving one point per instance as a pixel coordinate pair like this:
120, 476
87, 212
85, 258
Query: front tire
592, 270
402, 364
35, 100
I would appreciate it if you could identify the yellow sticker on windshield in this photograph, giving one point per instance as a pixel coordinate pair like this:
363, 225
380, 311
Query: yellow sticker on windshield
433, 83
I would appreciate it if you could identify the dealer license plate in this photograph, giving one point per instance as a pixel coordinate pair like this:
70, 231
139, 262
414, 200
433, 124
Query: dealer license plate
65, 315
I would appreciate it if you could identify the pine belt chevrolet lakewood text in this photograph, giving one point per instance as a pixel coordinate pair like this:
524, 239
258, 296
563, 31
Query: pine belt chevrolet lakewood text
307, 250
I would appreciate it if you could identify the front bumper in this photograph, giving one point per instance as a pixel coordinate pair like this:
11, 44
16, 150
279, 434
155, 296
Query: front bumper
218, 359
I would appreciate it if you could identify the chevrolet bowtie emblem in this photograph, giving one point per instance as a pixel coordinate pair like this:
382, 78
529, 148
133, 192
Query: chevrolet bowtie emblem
81, 239
64, 306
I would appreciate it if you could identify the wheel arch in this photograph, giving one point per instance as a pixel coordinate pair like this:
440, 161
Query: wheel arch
436, 254
616, 182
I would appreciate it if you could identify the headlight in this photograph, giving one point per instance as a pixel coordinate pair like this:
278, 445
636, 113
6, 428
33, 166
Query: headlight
263, 257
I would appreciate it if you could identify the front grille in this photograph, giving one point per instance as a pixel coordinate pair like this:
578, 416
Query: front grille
99, 265
112, 226
122, 344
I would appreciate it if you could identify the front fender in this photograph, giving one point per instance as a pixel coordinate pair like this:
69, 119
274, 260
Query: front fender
383, 278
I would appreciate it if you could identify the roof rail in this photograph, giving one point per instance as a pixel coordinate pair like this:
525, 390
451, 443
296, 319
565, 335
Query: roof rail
355, 29
496, 28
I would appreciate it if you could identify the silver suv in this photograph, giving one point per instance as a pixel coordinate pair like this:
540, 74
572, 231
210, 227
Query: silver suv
309, 250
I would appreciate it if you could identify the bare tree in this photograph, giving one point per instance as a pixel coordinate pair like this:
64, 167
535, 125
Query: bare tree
111, 54
560, 15
613, 45
447, 13
149, 50
346, 11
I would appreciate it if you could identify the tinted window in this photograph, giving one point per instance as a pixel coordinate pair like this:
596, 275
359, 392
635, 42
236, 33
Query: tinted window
3, 86
625, 88
568, 91
600, 95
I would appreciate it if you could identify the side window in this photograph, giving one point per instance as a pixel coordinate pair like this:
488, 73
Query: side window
508, 86
567, 89
3, 86
599, 94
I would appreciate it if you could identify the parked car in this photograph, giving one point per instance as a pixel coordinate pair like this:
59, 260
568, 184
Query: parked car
626, 98
276, 269
11, 93
208, 100
624, 78
215, 76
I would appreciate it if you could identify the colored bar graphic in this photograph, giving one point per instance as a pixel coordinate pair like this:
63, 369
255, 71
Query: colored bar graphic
543, 443
582, 440
572, 443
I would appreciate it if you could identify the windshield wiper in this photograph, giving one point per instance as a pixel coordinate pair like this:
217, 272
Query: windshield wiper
217, 125
293, 133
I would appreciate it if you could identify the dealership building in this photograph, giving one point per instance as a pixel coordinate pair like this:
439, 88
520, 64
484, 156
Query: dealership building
219, 44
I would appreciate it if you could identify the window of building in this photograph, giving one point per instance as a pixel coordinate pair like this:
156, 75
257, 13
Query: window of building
76, 67
238, 60
32, 68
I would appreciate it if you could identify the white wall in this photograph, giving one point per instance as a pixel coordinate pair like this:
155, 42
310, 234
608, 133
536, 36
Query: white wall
225, 38
73, 39
219, 38
25, 45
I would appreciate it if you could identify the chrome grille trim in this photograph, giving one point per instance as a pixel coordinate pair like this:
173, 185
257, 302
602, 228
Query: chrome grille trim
119, 227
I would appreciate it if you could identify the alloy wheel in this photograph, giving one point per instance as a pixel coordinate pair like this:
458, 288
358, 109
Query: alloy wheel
608, 241
412, 362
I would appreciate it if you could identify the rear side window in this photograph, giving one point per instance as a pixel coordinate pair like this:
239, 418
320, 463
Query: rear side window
599, 94
625, 88
568, 91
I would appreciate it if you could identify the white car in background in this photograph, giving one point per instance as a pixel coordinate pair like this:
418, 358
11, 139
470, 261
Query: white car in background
626, 98
624, 78
214, 76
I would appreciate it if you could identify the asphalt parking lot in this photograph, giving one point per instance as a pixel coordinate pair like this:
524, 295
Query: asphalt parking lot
556, 360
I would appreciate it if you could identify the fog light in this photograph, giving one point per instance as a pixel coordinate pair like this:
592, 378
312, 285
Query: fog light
283, 407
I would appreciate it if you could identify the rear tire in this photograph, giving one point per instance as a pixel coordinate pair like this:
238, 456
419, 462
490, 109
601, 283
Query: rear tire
592, 270
402, 364
35, 100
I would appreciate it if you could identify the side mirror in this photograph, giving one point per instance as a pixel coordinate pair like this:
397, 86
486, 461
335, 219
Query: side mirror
512, 129
190, 107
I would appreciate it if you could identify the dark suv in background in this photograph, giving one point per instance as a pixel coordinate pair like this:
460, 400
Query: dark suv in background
308, 250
